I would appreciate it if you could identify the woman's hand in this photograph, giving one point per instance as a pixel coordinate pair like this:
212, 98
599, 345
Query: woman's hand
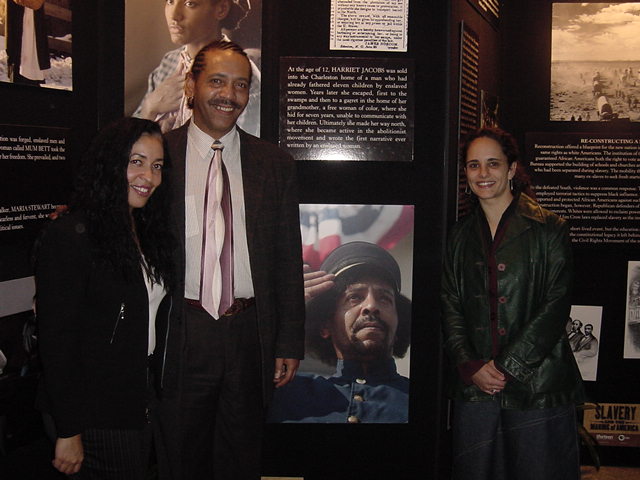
69, 454
489, 379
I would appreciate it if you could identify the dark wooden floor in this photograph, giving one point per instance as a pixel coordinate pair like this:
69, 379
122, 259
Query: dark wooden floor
28, 452
610, 473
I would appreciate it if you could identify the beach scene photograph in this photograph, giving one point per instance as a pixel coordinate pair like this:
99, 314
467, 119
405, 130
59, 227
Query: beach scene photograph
595, 62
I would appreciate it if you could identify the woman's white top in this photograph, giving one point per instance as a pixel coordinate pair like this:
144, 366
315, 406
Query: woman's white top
156, 293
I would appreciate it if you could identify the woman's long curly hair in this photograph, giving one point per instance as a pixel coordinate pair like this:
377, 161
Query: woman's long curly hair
509, 146
101, 195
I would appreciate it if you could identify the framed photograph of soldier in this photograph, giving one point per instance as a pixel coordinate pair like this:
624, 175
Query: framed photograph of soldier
358, 273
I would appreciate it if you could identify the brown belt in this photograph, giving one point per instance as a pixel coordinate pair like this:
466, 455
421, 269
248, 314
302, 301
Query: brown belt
239, 305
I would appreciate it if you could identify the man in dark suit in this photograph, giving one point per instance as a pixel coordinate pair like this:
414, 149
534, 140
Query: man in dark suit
230, 362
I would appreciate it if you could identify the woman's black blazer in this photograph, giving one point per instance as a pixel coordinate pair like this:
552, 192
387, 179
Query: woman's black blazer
93, 334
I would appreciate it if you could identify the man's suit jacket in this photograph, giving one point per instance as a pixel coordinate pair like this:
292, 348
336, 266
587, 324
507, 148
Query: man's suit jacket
273, 239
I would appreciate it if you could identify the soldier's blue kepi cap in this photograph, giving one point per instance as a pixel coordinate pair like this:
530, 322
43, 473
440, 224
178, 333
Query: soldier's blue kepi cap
362, 254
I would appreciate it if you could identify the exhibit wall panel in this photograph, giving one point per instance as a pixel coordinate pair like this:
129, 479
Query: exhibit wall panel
554, 111
416, 178
43, 131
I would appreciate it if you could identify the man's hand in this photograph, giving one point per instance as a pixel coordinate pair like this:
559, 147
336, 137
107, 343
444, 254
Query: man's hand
69, 455
316, 283
489, 379
165, 98
286, 369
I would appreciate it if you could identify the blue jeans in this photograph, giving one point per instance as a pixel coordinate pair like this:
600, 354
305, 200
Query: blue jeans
499, 444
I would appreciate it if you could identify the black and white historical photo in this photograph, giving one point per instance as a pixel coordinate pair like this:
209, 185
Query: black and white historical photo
583, 331
595, 62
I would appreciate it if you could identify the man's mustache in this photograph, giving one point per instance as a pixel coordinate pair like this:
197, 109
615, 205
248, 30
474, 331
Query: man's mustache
369, 321
223, 101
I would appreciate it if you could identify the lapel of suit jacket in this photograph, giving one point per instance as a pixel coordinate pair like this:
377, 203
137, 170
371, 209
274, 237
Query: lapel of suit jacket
177, 146
253, 182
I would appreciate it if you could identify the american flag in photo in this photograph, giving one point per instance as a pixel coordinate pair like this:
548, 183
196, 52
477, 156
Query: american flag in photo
325, 227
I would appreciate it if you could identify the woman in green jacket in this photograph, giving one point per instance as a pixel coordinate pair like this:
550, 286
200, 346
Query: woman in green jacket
506, 301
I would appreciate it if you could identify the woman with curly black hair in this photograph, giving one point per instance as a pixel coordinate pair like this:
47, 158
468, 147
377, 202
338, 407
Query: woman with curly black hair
102, 273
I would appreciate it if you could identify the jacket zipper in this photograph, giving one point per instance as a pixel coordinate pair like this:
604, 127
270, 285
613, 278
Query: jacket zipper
120, 317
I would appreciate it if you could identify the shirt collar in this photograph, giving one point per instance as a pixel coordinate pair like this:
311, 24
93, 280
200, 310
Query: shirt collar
203, 141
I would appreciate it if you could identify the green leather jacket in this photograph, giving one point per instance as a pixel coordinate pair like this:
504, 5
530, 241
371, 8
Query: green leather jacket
534, 277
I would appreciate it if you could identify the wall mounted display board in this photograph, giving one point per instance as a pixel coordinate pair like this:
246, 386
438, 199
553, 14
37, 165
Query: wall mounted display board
585, 171
385, 175
347, 108
35, 179
595, 62
323, 392
36, 43
614, 424
632, 317
592, 181
374, 25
